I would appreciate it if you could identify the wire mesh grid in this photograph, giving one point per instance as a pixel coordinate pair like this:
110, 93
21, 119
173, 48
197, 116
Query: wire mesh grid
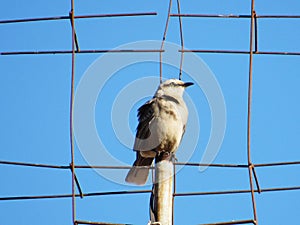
76, 192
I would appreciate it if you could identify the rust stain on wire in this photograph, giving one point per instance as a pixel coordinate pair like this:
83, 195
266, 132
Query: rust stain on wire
77, 17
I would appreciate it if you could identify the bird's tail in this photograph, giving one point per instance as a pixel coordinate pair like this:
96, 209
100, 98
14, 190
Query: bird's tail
138, 174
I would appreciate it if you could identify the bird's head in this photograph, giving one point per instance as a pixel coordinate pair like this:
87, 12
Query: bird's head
172, 87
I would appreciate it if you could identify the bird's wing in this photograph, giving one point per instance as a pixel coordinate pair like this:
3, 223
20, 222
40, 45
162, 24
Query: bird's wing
138, 174
146, 116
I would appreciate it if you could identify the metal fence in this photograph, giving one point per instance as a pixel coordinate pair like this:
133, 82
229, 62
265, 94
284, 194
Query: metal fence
76, 191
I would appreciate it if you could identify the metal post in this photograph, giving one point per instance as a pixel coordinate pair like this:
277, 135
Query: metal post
163, 192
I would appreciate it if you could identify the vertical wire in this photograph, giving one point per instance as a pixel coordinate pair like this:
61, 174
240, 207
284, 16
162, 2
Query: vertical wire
250, 165
181, 39
71, 114
174, 191
163, 41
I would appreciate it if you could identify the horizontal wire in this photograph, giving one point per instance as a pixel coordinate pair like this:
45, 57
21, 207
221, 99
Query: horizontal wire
211, 165
66, 167
240, 52
232, 222
109, 167
235, 16
89, 51
276, 164
221, 223
76, 195
92, 51
129, 167
33, 165
239, 165
77, 17
99, 223
13, 198
293, 188
145, 14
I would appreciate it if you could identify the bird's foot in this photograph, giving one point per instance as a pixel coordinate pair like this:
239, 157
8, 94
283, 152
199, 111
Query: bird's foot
173, 158
164, 155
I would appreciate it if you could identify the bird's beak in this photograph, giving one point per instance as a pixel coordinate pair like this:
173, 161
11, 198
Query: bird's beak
187, 84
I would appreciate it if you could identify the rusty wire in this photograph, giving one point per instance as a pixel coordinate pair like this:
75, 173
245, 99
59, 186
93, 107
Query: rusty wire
87, 51
240, 52
163, 41
181, 39
224, 165
126, 192
97, 51
74, 41
97, 223
249, 104
231, 16
232, 222
77, 17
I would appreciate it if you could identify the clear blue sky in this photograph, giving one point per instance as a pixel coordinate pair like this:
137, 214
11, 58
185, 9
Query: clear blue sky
35, 95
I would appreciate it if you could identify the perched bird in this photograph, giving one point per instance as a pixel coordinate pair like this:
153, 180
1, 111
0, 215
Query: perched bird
162, 122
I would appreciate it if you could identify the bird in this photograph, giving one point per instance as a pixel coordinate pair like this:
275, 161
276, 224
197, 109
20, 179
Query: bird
162, 123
